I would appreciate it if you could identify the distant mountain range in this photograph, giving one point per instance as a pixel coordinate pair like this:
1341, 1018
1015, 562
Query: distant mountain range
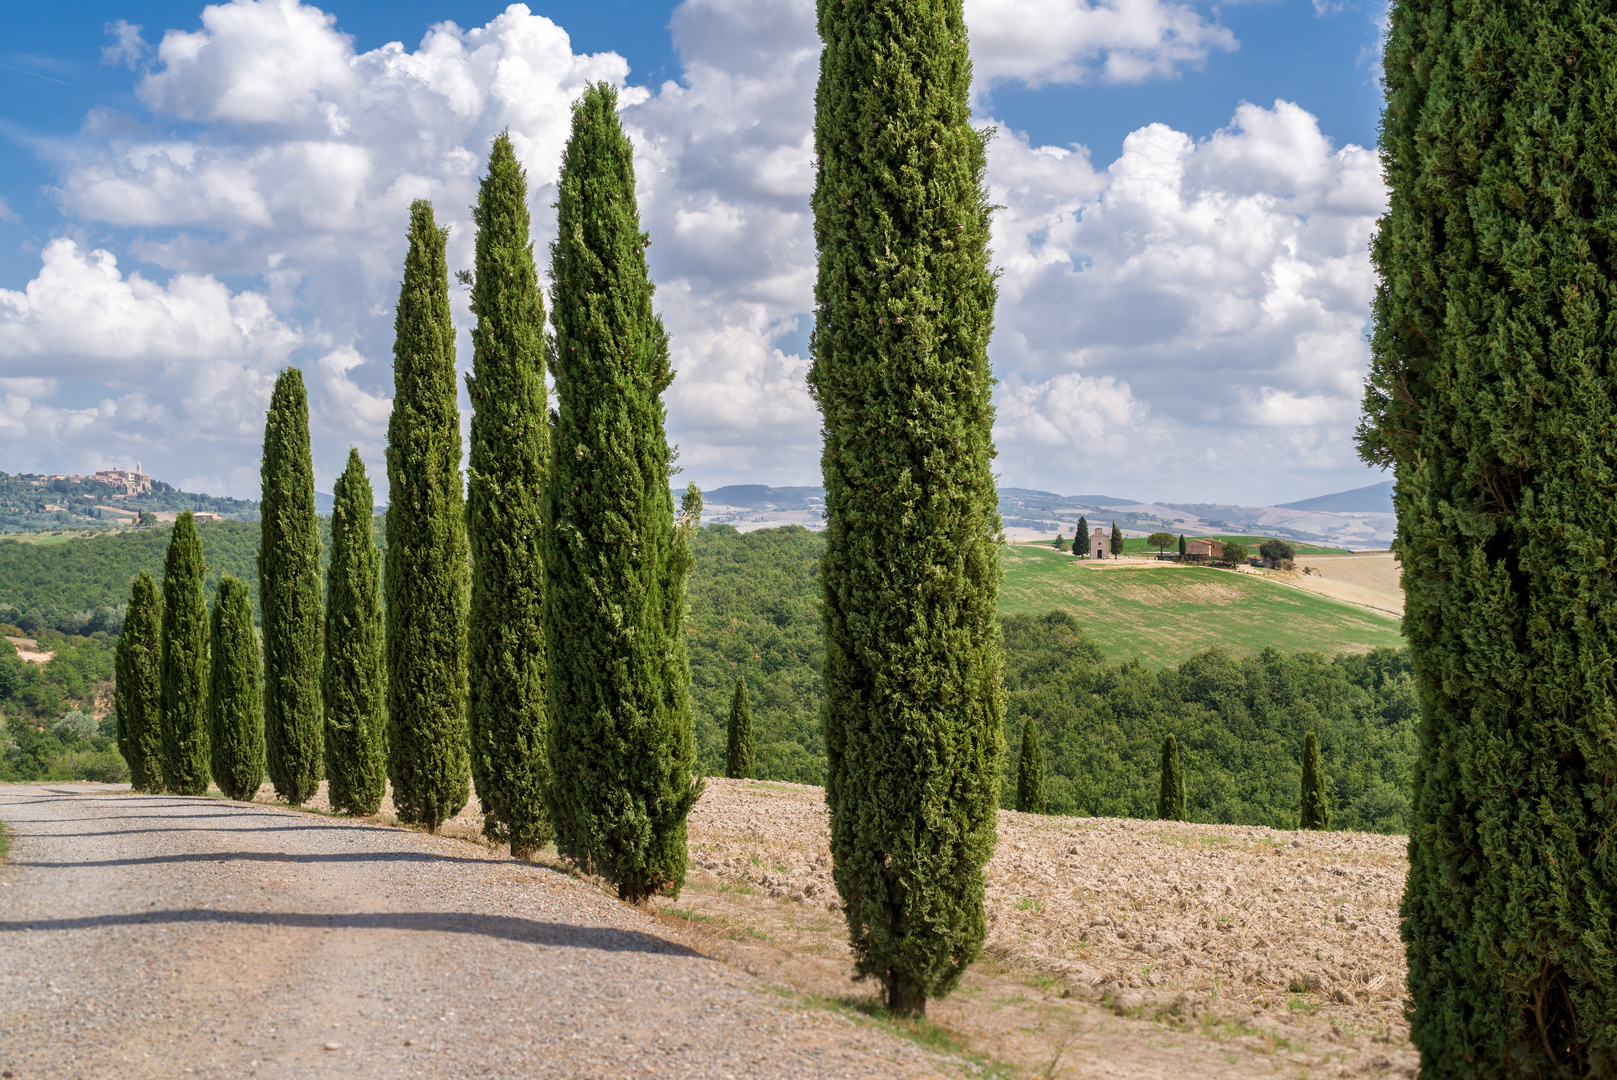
1375, 499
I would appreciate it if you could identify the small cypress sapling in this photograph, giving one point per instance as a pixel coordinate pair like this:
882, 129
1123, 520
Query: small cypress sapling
1030, 772
738, 757
1116, 543
622, 748
426, 572
235, 702
185, 662
505, 489
353, 680
1080, 539
289, 595
138, 692
1316, 800
1171, 800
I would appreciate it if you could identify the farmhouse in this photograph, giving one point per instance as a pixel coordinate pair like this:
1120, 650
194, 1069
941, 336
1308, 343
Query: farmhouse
1204, 547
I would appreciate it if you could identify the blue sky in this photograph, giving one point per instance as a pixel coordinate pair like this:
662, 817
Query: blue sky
1185, 286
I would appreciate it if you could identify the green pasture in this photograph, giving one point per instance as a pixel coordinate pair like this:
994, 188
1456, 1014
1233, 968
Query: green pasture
1165, 614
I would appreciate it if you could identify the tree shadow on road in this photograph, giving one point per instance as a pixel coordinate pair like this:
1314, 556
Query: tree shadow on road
507, 927
265, 856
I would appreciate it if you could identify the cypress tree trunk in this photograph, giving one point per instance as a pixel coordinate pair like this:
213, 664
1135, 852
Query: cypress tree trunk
353, 681
1171, 800
289, 595
1030, 772
738, 757
622, 749
510, 458
1492, 394
138, 691
911, 571
1080, 543
185, 663
426, 571
1116, 545
235, 702
1316, 799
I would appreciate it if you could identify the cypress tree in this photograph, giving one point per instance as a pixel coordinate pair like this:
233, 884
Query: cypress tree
1030, 772
621, 744
138, 690
353, 680
738, 757
1080, 542
1316, 801
1116, 544
185, 663
1171, 800
509, 461
1492, 396
1181, 547
426, 573
289, 595
235, 702
911, 571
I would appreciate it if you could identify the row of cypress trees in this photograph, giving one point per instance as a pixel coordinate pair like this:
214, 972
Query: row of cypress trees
1316, 810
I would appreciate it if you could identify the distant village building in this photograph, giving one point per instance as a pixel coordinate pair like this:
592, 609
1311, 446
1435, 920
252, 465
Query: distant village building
1204, 547
204, 515
130, 482
1099, 544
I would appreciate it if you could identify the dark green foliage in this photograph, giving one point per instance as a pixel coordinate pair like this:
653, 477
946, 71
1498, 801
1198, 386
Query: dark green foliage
138, 691
905, 302
353, 680
509, 463
235, 702
1276, 551
1080, 540
1234, 553
1115, 545
426, 571
1491, 394
1160, 540
1240, 725
738, 758
755, 607
185, 663
1315, 797
1171, 798
1030, 771
1181, 545
289, 595
616, 565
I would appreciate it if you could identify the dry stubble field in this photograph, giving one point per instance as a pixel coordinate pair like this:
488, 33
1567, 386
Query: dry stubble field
1134, 949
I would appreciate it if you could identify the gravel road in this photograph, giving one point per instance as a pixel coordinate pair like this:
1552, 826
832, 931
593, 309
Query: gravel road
158, 936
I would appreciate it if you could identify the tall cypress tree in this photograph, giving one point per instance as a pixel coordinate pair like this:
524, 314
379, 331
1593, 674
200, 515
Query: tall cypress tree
289, 595
1181, 547
510, 458
1116, 544
905, 301
1080, 542
1171, 799
1316, 800
739, 753
235, 701
185, 663
1030, 772
1493, 396
138, 692
353, 681
425, 572
622, 749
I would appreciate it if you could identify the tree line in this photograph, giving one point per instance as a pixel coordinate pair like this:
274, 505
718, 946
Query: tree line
525, 637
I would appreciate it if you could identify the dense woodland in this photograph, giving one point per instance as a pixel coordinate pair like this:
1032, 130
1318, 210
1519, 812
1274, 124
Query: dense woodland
755, 613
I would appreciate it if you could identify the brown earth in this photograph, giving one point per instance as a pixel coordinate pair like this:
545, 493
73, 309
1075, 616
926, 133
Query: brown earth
1366, 580
1115, 948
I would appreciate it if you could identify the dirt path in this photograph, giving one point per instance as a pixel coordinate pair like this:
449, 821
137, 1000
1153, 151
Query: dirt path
156, 936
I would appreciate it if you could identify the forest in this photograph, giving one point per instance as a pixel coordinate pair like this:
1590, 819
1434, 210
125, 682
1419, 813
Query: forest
754, 614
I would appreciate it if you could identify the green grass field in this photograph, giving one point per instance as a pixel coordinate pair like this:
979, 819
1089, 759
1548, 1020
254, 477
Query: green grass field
1163, 615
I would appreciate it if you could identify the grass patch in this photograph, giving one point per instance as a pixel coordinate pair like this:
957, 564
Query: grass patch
5, 840
1163, 616
922, 1032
